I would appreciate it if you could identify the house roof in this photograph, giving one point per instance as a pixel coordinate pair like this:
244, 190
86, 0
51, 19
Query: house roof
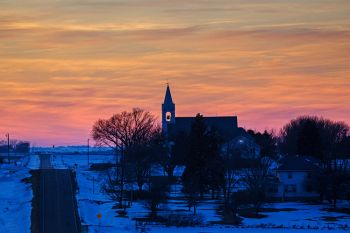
298, 163
226, 125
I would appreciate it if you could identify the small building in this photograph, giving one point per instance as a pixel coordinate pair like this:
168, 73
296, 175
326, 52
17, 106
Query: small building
297, 178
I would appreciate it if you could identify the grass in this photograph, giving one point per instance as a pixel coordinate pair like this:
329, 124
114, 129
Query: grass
338, 210
248, 213
329, 219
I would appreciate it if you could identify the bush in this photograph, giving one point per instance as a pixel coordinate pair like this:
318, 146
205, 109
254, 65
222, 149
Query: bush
231, 218
101, 166
177, 219
158, 194
238, 200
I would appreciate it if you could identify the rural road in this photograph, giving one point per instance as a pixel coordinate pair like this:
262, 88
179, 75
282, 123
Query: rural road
58, 212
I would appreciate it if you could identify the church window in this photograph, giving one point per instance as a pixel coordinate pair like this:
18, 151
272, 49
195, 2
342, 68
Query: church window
168, 116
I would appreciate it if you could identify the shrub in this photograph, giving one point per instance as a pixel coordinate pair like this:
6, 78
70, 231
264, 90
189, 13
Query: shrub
181, 219
101, 166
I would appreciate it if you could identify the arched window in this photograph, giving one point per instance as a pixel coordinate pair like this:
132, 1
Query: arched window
168, 116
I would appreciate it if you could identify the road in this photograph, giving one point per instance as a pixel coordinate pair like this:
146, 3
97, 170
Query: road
58, 212
45, 161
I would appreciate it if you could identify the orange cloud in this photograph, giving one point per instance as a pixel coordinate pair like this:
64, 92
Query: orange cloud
62, 70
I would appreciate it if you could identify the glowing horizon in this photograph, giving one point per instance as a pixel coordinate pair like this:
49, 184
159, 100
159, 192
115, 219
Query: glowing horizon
65, 64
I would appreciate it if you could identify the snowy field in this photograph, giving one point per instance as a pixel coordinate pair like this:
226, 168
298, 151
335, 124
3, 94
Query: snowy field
16, 196
92, 201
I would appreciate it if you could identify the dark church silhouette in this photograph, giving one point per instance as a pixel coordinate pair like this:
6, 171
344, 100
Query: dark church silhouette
172, 125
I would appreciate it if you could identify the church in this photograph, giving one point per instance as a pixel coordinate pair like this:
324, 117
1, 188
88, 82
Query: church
172, 125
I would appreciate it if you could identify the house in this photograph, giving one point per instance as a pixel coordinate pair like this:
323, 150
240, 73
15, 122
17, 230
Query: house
245, 145
296, 178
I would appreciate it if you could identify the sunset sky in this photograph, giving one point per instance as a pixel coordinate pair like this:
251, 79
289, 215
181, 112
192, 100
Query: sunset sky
64, 64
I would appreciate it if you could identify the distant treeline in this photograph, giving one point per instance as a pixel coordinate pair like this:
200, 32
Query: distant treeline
15, 146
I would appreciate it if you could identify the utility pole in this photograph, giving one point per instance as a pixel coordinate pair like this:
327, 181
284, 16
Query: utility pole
8, 147
93, 184
88, 152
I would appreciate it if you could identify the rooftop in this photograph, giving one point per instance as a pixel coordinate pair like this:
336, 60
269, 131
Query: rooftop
298, 163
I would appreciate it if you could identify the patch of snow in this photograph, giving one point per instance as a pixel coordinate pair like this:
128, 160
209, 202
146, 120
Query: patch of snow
15, 199
34, 161
303, 216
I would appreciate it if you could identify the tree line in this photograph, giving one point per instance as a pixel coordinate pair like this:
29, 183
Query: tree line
15, 146
214, 168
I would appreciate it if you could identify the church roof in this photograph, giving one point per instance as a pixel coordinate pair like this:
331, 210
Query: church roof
168, 98
298, 163
226, 125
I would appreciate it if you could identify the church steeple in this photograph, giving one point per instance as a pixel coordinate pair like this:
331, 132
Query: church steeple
168, 110
168, 98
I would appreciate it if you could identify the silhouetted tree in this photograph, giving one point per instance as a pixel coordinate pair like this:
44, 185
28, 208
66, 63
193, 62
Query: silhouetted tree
257, 179
231, 168
121, 132
196, 164
325, 140
143, 156
192, 188
309, 140
16, 146
318, 137
215, 164
115, 181
157, 194
203, 158
344, 147
267, 142
140, 160
22, 147
169, 153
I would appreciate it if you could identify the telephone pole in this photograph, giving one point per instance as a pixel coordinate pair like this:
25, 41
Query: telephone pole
8, 147
88, 152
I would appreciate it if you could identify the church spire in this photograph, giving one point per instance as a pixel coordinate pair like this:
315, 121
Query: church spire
168, 110
168, 99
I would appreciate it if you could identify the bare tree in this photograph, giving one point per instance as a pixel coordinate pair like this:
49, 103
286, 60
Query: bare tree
157, 194
192, 190
231, 171
171, 152
257, 179
121, 132
141, 158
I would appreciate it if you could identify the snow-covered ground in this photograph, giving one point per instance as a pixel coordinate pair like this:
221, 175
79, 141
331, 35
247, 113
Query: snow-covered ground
16, 196
34, 162
92, 201
304, 216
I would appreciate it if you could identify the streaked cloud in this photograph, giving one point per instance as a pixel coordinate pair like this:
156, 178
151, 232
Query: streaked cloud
64, 64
